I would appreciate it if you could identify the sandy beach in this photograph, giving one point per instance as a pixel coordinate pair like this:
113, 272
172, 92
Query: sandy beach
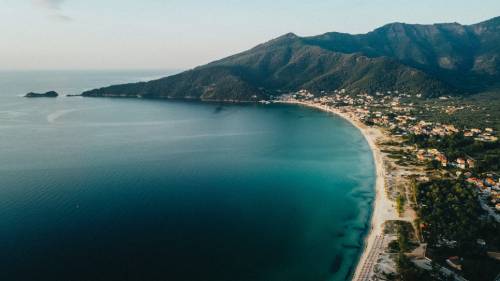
383, 208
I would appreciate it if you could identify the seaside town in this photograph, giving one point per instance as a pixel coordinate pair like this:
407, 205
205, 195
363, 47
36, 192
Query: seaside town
438, 217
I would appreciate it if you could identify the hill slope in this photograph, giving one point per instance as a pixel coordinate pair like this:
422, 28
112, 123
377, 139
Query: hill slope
429, 59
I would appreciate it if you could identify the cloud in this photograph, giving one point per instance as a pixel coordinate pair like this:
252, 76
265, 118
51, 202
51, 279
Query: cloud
53, 7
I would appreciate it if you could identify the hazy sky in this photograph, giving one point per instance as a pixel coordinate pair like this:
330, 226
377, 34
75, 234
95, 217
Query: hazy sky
179, 34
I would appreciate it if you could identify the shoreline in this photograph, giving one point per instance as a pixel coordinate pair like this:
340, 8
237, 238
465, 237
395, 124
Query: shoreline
383, 209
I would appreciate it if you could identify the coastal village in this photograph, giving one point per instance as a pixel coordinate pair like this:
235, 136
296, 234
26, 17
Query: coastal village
420, 157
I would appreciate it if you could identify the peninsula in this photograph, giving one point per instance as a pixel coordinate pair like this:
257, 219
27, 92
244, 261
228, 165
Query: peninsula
431, 60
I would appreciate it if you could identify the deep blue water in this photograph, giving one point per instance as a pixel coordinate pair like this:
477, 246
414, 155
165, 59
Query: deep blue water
134, 189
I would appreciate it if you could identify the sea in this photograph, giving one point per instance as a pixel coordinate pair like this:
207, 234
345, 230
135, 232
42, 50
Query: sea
143, 189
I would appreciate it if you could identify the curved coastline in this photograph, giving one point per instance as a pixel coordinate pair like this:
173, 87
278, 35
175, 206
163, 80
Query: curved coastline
123, 176
383, 208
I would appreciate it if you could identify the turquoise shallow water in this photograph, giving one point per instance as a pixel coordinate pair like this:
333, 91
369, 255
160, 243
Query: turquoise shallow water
131, 189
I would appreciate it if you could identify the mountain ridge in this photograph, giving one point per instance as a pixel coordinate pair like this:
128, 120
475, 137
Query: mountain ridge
432, 60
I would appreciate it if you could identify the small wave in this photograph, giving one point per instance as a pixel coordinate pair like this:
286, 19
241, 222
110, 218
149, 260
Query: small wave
51, 118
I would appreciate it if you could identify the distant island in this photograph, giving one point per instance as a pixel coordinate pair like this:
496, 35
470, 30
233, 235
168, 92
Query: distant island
49, 94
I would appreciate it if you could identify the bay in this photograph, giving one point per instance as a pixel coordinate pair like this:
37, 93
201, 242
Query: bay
135, 189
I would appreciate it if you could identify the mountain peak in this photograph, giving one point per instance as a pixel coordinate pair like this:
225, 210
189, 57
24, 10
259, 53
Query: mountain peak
289, 35
288, 38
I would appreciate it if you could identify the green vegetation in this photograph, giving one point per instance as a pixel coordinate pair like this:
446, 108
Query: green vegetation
403, 240
400, 204
476, 265
450, 216
404, 243
476, 111
451, 222
50, 94
390, 143
396, 56
486, 154
409, 272
449, 211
